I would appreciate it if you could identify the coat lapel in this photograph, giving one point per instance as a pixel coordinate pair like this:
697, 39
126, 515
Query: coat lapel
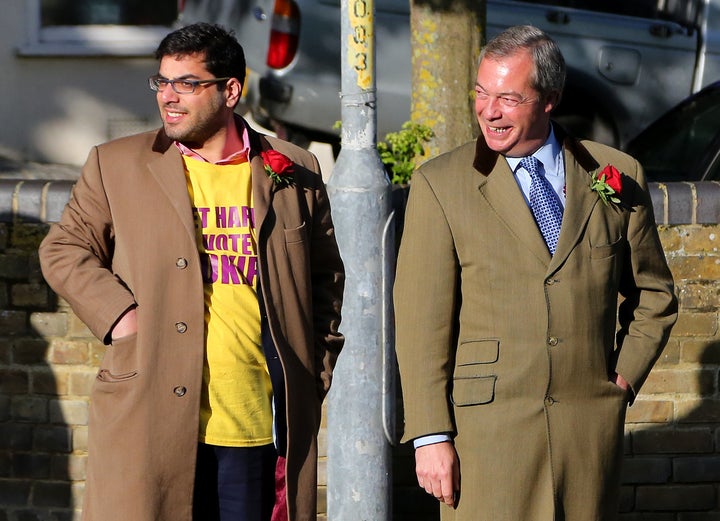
503, 194
579, 199
501, 191
169, 172
263, 187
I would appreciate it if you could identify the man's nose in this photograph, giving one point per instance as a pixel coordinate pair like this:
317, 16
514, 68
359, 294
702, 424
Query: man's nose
168, 95
491, 107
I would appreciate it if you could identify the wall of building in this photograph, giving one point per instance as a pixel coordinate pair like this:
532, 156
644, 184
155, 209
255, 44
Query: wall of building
48, 361
56, 106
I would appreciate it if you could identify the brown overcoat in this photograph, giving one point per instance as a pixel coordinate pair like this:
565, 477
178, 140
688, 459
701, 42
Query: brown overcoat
127, 238
510, 350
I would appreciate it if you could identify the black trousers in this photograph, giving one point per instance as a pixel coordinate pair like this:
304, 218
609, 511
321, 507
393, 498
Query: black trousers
234, 483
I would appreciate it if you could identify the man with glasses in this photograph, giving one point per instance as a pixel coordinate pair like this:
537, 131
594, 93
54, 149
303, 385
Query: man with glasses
516, 363
203, 254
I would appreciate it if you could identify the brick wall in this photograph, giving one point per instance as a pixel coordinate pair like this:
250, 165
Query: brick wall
672, 443
48, 360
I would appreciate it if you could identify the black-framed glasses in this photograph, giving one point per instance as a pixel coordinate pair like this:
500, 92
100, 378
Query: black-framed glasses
158, 84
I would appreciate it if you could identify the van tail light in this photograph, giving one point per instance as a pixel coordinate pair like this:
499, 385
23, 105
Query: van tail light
284, 34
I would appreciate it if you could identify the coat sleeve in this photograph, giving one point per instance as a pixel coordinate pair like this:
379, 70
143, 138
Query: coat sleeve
328, 282
649, 309
76, 255
426, 312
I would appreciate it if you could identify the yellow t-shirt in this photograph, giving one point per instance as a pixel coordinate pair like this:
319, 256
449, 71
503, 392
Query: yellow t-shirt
236, 402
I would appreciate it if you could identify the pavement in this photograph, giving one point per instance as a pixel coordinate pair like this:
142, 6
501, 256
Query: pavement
22, 170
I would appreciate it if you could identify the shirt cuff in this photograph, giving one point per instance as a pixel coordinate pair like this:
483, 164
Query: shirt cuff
430, 440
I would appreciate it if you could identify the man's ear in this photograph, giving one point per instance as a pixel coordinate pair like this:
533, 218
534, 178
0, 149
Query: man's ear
233, 92
552, 101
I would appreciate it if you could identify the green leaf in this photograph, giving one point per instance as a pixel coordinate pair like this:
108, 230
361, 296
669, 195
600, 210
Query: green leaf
400, 149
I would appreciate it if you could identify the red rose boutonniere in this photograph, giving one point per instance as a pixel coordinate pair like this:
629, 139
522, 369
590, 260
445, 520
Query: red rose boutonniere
278, 166
607, 184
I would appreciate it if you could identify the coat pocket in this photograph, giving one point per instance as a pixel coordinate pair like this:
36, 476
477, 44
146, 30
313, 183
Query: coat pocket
483, 351
473, 390
299, 234
604, 251
473, 381
119, 363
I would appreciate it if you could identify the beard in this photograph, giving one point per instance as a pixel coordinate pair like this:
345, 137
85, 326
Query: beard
198, 123
193, 135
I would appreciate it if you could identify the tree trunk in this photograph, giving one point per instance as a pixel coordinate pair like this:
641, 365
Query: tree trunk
446, 38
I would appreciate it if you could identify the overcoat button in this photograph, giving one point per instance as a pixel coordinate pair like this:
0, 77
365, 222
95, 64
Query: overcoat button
180, 391
552, 341
549, 400
181, 327
181, 263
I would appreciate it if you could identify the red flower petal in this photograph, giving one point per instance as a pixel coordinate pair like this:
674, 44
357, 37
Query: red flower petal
278, 163
613, 178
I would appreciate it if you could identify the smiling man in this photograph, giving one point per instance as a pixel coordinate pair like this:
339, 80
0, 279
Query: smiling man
204, 255
516, 365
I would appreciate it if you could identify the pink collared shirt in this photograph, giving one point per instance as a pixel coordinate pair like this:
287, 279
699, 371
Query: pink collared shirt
236, 148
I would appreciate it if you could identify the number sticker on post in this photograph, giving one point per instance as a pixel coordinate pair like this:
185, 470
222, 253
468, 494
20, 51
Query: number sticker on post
360, 41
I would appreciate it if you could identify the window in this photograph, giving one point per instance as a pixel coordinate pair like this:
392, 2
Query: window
98, 27
684, 142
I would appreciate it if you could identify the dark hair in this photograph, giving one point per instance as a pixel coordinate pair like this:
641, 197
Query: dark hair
549, 75
224, 56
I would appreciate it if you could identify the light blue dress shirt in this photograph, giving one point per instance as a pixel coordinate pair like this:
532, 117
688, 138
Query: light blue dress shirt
551, 157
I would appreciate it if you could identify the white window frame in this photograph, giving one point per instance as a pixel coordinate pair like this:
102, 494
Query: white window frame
88, 40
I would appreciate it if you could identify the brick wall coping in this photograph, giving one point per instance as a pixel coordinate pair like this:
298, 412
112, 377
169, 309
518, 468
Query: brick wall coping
42, 201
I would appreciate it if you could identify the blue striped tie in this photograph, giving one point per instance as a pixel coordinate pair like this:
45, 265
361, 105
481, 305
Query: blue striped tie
543, 202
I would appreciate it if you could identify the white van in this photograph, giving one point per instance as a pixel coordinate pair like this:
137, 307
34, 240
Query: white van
628, 60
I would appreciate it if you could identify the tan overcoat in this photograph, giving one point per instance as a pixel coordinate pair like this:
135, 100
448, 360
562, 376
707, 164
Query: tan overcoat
127, 238
510, 350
